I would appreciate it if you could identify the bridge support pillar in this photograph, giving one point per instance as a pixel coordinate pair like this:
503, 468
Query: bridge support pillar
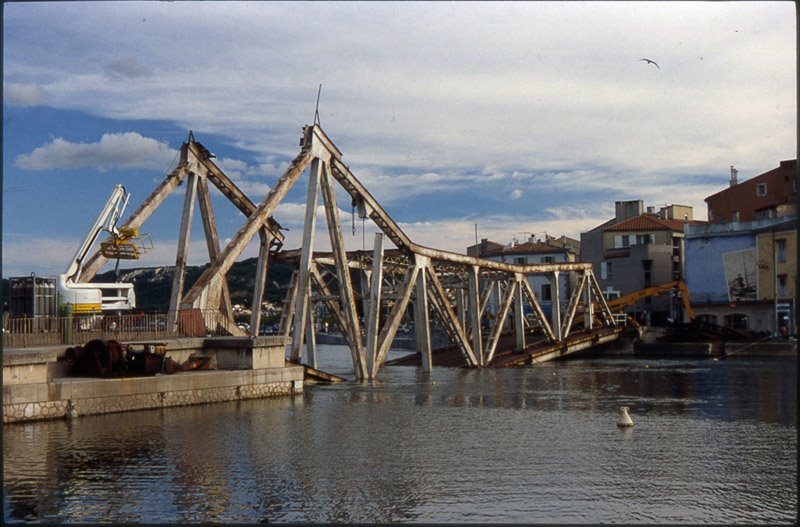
422, 328
311, 336
588, 309
372, 315
555, 295
261, 281
474, 305
304, 272
183, 251
519, 322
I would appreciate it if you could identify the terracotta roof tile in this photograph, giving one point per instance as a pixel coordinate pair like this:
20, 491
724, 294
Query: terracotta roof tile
649, 222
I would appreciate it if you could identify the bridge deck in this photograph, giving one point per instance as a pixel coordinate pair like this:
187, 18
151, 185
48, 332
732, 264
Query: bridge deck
538, 350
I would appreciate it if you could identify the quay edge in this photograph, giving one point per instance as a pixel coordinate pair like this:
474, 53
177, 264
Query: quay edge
37, 385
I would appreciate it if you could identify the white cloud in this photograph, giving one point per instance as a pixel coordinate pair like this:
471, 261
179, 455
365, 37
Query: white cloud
536, 84
15, 94
510, 97
127, 150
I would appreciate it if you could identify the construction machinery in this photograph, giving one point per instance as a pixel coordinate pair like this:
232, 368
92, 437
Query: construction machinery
619, 304
122, 244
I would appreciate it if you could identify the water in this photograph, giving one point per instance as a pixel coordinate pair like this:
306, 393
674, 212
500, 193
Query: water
714, 442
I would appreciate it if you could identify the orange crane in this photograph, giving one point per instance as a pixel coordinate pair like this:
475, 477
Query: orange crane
619, 304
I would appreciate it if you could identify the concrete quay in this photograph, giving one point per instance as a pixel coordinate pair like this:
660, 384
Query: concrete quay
37, 385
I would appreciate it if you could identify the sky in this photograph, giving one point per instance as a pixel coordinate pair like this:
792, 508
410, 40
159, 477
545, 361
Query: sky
522, 118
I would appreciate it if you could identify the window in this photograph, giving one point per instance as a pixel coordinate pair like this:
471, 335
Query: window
548, 259
605, 270
520, 260
736, 320
647, 265
643, 239
546, 296
623, 241
781, 248
782, 285
761, 189
735, 216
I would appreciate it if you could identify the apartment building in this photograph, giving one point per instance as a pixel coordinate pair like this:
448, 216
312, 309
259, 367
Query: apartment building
637, 249
772, 194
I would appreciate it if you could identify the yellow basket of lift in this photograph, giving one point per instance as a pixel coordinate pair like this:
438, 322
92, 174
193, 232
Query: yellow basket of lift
128, 245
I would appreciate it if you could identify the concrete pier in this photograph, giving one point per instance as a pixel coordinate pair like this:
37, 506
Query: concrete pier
37, 385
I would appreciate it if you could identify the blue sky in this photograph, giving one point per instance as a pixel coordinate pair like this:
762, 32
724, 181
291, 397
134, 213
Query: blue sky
520, 117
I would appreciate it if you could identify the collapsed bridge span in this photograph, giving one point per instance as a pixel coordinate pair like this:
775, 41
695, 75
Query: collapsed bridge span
486, 308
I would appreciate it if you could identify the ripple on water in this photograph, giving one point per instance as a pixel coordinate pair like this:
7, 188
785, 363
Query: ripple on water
711, 444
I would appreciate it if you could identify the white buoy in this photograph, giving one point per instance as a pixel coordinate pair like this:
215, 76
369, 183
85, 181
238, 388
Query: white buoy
72, 412
624, 418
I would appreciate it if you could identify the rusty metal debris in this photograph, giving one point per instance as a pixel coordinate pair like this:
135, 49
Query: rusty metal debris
99, 358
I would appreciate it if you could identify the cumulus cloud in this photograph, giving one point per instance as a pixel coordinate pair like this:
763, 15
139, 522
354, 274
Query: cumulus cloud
545, 98
16, 94
126, 150
516, 193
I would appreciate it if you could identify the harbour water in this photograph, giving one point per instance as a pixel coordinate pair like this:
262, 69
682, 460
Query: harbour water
714, 441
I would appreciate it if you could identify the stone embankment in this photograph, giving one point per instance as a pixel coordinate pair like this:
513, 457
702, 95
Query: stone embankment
37, 382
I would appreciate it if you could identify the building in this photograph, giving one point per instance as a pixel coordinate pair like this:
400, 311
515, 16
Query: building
533, 251
742, 266
773, 194
478, 250
638, 249
744, 274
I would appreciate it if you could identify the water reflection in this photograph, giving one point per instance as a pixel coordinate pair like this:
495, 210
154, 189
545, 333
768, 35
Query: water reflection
713, 442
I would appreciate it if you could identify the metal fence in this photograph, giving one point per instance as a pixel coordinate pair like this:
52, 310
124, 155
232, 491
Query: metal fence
26, 332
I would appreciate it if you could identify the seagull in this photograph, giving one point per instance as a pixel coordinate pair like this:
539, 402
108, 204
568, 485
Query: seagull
651, 62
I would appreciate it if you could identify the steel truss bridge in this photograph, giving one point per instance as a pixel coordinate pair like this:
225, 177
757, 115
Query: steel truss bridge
453, 287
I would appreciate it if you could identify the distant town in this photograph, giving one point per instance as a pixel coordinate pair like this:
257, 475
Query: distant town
740, 266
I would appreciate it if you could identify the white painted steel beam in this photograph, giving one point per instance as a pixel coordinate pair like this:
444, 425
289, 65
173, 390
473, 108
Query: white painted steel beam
218, 297
474, 309
303, 280
311, 337
254, 222
449, 318
183, 251
519, 325
422, 329
348, 300
555, 304
574, 300
588, 307
389, 329
374, 312
262, 267
537, 311
499, 322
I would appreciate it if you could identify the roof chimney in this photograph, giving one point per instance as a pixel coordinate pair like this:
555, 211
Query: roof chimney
734, 173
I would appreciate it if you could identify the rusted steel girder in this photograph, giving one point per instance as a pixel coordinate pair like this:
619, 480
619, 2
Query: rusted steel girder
254, 222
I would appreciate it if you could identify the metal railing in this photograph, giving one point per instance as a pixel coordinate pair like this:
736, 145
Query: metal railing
26, 332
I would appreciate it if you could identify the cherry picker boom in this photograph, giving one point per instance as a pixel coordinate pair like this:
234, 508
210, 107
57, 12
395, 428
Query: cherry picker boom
96, 298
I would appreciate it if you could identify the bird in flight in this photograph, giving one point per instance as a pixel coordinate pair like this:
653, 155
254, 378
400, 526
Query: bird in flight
651, 62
